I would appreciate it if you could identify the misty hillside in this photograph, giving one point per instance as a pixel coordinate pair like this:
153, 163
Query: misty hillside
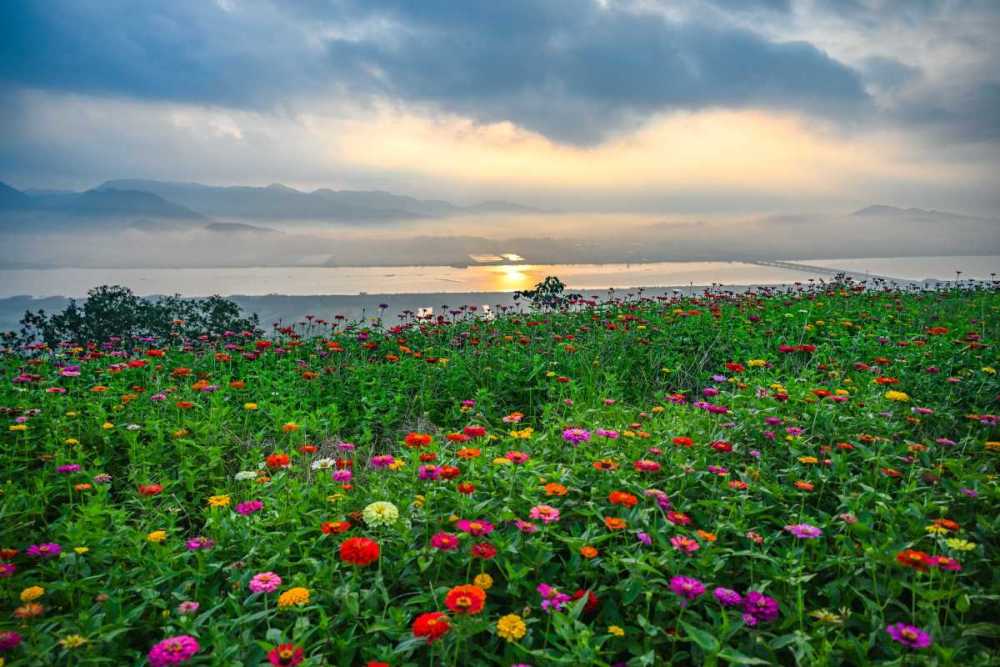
280, 202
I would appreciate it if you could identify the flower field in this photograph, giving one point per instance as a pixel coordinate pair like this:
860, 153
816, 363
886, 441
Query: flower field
801, 476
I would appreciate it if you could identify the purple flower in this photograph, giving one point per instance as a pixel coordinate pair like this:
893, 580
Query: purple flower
644, 538
428, 472
972, 493
48, 550
946, 442
7, 570
576, 435
552, 598
727, 597
265, 582
249, 507
687, 587
68, 468
607, 433
9, 640
761, 607
173, 651
382, 461
342, 476
196, 543
804, 531
909, 636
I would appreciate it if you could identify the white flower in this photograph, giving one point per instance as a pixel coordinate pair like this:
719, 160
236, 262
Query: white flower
323, 464
380, 513
133, 427
245, 475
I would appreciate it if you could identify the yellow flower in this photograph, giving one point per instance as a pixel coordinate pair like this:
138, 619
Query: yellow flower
550, 374
993, 445
73, 641
989, 369
18, 427
808, 459
218, 501
335, 498
249, 406
484, 581
157, 536
71, 441
32, 593
894, 395
297, 596
380, 513
107, 426
502, 461
72, 413
628, 434
523, 434
657, 409
842, 392
81, 550
617, 631
827, 616
180, 433
419, 501
959, 544
511, 627
757, 363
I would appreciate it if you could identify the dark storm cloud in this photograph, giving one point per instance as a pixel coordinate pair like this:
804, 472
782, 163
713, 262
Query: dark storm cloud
570, 69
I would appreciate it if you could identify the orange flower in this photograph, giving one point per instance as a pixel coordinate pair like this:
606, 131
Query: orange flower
804, 486
705, 535
588, 552
918, 560
414, 439
466, 599
290, 427
468, 453
622, 498
614, 523
605, 465
947, 523
555, 489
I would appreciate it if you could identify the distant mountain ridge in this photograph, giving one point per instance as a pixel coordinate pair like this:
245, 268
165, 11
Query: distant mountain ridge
280, 202
894, 211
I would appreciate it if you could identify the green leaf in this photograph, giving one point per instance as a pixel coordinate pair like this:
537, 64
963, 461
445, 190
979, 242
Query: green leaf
737, 658
705, 640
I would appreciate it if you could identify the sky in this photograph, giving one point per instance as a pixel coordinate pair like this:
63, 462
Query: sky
684, 106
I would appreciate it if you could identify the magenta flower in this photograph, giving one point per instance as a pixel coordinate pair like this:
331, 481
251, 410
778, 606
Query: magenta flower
49, 550
727, 597
576, 435
9, 640
526, 526
382, 461
475, 527
68, 468
444, 541
196, 543
173, 651
760, 607
249, 507
552, 599
909, 636
688, 588
7, 570
342, 476
428, 472
265, 582
804, 531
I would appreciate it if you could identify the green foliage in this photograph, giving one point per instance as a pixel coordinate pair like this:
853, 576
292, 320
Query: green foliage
116, 313
784, 395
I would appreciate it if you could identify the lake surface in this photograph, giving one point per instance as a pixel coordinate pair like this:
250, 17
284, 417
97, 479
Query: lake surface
433, 279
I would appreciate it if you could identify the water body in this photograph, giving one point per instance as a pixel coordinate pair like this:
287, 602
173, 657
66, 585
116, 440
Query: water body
293, 281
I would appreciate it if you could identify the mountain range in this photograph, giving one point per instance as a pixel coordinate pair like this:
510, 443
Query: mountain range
194, 203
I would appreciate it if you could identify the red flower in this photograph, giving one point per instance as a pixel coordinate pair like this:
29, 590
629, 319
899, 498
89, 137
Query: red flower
918, 560
417, 439
150, 489
465, 599
592, 601
359, 551
432, 625
335, 527
474, 431
484, 550
275, 461
376, 663
683, 441
466, 488
286, 655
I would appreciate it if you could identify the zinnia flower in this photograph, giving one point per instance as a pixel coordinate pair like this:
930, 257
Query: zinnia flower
909, 636
48, 550
727, 597
359, 551
380, 513
432, 625
511, 627
546, 513
297, 597
804, 531
760, 607
265, 582
249, 507
686, 587
173, 651
466, 599
286, 655
477, 527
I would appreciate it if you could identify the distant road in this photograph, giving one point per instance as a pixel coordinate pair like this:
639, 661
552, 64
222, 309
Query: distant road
825, 270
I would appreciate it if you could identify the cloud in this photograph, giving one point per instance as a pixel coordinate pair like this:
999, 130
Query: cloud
572, 70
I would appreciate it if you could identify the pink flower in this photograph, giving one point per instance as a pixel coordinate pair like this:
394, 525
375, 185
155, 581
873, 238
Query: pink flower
444, 541
265, 582
249, 507
546, 513
173, 651
684, 544
475, 527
